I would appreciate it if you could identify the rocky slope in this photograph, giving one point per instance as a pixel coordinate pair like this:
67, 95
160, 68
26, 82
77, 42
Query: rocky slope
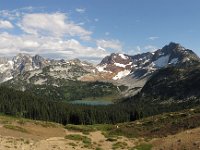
174, 84
34, 66
5, 69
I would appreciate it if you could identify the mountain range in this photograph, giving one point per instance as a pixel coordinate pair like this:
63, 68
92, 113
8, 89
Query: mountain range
132, 72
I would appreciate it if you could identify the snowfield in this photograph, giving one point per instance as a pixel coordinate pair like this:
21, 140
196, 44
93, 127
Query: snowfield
121, 74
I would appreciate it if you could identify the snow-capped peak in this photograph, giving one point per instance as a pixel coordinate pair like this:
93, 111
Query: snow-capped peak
145, 63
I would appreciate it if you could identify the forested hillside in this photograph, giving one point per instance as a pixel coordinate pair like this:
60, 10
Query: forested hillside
174, 85
66, 90
26, 105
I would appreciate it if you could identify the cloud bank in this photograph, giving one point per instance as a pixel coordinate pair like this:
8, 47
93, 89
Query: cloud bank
53, 35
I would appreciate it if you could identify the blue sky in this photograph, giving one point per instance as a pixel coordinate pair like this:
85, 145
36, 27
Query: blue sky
91, 29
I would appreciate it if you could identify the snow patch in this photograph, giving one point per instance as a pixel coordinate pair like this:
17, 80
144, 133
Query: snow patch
130, 63
135, 65
146, 61
174, 61
6, 67
162, 61
120, 65
11, 63
186, 59
123, 56
123, 65
7, 78
83, 64
121, 74
101, 68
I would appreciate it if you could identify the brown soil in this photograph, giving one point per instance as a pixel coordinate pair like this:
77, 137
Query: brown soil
41, 136
51, 138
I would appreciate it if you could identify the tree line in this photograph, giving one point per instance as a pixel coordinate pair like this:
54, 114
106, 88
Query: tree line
27, 105
24, 104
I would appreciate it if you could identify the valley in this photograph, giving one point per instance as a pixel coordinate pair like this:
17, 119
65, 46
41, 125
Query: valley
99, 75
124, 102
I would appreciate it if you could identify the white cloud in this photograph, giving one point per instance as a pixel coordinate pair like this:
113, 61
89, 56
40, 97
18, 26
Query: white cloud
52, 35
135, 50
112, 44
16, 14
56, 24
138, 50
152, 38
5, 24
32, 44
150, 48
10, 15
80, 10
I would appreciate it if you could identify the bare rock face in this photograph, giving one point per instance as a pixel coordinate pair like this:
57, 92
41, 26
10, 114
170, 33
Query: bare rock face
37, 70
119, 65
25, 62
5, 69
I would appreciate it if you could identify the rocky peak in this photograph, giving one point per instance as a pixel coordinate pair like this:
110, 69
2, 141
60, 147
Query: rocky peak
175, 54
22, 58
172, 46
38, 58
38, 61
25, 62
119, 65
116, 58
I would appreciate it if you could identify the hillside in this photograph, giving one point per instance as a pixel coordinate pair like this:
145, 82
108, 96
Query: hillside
178, 130
26, 104
67, 90
173, 85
